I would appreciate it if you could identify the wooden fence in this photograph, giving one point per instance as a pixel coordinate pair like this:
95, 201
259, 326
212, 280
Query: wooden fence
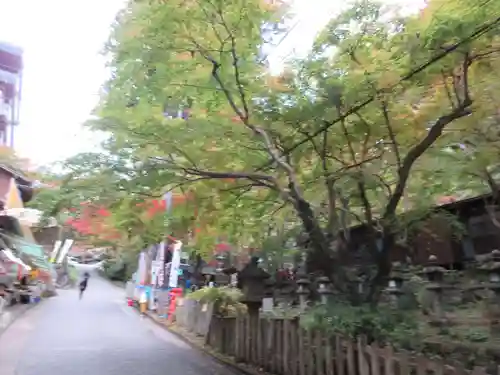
194, 316
282, 347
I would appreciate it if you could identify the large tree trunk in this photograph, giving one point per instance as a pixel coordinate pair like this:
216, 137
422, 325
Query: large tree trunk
319, 255
384, 267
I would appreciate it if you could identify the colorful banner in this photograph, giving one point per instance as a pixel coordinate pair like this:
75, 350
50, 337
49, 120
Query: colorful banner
175, 265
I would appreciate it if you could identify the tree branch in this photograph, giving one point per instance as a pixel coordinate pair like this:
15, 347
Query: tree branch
360, 175
392, 136
256, 177
473, 36
244, 116
447, 88
417, 150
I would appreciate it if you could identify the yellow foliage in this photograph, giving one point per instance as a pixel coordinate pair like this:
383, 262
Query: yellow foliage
272, 5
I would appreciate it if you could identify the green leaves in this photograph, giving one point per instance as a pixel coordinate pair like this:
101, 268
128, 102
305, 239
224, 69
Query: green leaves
190, 109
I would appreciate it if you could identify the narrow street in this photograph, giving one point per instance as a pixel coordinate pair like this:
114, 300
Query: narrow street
98, 335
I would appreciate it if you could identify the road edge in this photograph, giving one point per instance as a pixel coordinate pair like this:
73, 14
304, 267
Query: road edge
204, 349
29, 307
220, 358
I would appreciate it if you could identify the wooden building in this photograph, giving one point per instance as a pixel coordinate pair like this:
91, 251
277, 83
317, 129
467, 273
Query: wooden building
479, 221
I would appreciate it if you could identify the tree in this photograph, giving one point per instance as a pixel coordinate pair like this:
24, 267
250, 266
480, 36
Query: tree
330, 144
106, 200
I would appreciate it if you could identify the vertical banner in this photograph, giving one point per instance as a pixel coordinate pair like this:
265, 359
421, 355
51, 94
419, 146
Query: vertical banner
64, 250
167, 197
161, 260
142, 269
174, 266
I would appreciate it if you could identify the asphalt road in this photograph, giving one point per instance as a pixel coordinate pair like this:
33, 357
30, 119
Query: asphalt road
98, 335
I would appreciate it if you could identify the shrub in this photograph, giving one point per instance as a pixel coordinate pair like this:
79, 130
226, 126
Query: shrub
226, 299
382, 325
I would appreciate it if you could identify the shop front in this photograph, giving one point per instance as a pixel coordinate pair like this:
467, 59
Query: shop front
15, 276
26, 270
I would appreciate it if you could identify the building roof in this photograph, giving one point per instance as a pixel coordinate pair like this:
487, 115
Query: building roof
17, 174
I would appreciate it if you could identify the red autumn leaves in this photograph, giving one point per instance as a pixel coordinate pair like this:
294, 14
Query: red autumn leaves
92, 220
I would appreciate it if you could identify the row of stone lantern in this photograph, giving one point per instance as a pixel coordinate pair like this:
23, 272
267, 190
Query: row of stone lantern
435, 275
303, 289
257, 285
493, 269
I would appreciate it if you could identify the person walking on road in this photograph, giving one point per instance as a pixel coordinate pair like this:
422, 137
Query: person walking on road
84, 283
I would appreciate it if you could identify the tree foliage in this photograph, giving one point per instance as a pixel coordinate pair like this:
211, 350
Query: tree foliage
95, 200
348, 135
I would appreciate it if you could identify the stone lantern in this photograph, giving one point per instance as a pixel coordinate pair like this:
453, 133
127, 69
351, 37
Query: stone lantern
493, 269
435, 276
494, 272
221, 277
231, 274
252, 280
208, 274
324, 289
433, 272
394, 288
222, 261
303, 291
